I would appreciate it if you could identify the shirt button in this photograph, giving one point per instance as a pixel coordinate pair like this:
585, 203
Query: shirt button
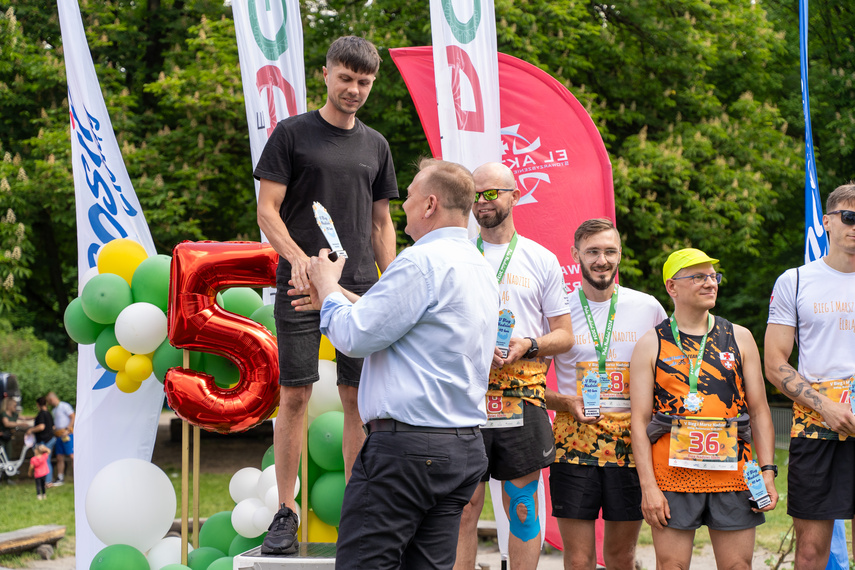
428, 462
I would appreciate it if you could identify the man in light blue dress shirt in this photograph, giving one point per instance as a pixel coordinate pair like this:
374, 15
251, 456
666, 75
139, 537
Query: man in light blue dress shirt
427, 331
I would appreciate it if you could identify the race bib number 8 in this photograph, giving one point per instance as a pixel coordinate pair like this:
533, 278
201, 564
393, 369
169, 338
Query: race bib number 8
703, 444
614, 393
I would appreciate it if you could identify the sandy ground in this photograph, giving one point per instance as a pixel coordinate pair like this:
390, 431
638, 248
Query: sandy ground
228, 454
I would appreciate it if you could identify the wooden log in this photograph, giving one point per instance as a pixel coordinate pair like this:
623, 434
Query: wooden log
29, 538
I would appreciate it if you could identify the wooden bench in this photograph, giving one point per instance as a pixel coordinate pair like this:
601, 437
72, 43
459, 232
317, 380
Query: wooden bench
31, 538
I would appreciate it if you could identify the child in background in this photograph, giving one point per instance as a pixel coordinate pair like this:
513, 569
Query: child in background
39, 468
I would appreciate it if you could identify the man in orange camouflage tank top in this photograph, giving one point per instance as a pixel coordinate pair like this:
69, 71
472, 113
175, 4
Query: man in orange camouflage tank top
697, 386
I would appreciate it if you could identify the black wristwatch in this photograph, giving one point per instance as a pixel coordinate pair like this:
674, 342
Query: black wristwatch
531, 352
772, 468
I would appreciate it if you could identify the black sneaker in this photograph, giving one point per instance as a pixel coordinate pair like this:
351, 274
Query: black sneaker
282, 533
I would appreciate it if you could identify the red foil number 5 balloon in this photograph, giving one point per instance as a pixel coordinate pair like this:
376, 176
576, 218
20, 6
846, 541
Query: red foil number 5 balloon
197, 322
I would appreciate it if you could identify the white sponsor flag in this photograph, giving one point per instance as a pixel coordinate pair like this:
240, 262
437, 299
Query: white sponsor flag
109, 425
466, 71
270, 47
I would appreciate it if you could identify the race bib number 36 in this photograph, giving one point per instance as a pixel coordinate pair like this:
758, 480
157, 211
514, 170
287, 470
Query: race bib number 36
704, 444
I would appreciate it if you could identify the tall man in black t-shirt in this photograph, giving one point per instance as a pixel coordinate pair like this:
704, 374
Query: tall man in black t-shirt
331, 157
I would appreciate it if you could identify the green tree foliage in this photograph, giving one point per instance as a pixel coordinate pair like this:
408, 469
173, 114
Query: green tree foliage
696, 100
26, 356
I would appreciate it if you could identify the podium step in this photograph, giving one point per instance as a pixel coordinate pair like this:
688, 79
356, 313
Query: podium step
310, 556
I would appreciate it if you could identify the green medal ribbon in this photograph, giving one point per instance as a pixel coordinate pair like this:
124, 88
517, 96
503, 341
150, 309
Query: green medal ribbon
505, 260
694, 366
602, 348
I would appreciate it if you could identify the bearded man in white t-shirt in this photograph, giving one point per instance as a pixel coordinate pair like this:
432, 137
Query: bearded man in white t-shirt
814, 307
534, 322
594, 467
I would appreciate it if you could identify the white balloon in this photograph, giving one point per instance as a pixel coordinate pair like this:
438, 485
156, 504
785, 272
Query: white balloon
242, 516
271, 498
130, 501
84, 279
325, 392
266, 481
167, 551
243, 484
262, 517
141, 328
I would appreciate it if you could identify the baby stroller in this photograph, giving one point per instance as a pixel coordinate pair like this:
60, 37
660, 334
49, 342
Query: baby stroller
11, 468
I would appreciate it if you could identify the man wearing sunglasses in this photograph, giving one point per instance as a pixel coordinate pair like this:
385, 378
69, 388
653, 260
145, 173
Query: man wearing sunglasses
534, 322
814, 306
593, 468
702, 378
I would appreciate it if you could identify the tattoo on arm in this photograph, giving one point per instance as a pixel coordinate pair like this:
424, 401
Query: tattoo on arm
794, 384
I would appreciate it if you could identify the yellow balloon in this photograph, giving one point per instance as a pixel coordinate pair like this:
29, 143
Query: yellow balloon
121, 256
138, 367
327, 351
117, 357
125, 384
319, 531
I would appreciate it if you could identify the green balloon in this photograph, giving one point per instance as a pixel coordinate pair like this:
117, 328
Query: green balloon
267, 459
325, 436
224, 371
104, 297
79, 327
119, 556
225, 563
241, 300
241, 544
167, 356
218, 532
105, 341
201, 558
327, 496
150, 283
264, 315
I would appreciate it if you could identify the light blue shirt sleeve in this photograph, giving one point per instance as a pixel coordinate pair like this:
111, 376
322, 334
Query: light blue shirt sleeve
383, 315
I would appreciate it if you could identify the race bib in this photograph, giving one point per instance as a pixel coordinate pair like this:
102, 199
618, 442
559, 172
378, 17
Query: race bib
808, 423
709, 444
503, 412
614, 392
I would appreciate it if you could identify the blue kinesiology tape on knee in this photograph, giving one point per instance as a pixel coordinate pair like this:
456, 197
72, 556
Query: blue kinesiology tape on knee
524, 496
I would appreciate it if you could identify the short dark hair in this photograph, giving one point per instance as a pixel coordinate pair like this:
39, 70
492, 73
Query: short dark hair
355, 53
593, 226
841, 194
452, 182
41, 401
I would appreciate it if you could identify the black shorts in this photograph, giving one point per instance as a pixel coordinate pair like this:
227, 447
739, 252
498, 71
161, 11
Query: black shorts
298, 335
513, 452
580, 491
821, 479
727, 510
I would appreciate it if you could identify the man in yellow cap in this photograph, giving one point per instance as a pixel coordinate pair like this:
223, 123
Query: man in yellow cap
697, 397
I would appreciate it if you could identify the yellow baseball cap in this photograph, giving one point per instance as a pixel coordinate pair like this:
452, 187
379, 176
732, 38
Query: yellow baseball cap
683, 258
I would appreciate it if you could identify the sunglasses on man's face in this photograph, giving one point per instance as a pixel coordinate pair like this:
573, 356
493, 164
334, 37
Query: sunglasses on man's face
846, 216
491, 194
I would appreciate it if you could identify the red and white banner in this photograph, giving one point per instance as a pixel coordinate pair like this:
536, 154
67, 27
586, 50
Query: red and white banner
270, 47
466, 77
109, 425
548, 140
554, 149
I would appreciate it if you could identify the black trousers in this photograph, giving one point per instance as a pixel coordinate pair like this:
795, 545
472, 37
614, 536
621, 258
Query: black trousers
403, 502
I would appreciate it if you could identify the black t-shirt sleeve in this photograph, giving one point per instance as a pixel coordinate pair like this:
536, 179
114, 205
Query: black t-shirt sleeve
386, 185
275, 160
